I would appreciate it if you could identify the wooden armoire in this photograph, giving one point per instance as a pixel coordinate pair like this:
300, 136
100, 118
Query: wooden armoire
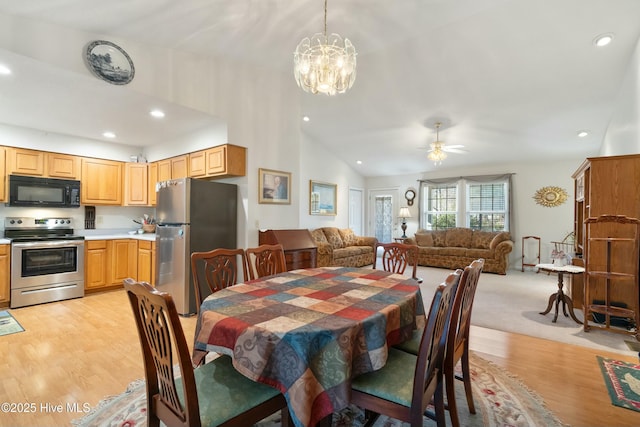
607, 186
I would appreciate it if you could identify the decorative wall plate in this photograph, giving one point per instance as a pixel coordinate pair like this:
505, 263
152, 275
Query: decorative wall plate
550, 196
109, 62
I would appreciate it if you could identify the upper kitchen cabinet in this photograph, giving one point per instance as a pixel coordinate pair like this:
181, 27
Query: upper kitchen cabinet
62, 166
221, 161
21, 161
173, 168
3, 176
153, 179
136, 184
101, 182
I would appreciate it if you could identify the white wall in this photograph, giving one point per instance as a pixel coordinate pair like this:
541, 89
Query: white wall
550, 224
623, 133
318, 164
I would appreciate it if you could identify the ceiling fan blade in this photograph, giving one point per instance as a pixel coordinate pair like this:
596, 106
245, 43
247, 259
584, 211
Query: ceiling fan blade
455, 146
454, 150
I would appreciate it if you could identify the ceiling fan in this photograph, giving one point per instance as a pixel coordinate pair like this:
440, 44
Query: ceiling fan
438, 150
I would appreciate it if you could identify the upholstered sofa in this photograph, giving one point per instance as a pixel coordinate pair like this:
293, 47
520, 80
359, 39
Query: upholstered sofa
341, 247
458, 247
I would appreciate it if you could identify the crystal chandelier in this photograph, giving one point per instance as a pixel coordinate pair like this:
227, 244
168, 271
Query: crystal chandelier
437, 154
324, 64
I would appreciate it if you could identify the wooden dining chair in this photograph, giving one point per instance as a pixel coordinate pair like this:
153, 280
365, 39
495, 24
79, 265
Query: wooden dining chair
265, 260
220, 268
396, 257
386, 390
458, 339
214, 394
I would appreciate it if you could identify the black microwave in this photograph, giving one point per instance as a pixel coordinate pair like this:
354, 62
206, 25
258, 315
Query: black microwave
44, 192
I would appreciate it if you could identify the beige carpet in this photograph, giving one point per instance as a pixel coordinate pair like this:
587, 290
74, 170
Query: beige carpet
512, 303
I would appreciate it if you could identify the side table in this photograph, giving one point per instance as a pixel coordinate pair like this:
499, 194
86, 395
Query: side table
560, 295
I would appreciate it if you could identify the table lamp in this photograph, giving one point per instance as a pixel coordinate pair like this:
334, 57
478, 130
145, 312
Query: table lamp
404, 214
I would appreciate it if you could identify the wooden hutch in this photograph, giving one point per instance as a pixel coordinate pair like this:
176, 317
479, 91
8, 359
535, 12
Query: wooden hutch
299, 249
607, 186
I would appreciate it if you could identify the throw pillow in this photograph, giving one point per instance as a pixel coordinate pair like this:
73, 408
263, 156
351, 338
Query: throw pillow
333, 237
318, 236
482, 239
439, 237
349, 238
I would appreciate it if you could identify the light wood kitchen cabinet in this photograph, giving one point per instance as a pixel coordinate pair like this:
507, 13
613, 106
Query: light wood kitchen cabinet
101, 182
164, 170
95, 264
3, 176
136, 184
153, 179
221, 161
180, 166
21, 161
123, 256
147, 261
5, 254
62, 166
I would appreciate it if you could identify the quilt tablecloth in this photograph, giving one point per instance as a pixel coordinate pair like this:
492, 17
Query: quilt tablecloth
309, 332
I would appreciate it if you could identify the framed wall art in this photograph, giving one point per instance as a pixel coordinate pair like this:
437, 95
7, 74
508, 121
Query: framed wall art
322, 198
274, 187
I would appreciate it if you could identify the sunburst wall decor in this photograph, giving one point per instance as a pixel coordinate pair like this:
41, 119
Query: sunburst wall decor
550, 196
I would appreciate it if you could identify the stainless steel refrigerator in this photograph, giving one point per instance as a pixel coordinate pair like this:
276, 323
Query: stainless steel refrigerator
192, 215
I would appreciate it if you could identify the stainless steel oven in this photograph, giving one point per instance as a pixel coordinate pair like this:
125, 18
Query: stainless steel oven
47, 260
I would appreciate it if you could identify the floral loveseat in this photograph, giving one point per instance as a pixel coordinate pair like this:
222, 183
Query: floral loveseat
341, 247
458, 247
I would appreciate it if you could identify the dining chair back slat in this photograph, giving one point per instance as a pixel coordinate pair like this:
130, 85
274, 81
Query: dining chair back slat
218, 268
174, 398
265, 260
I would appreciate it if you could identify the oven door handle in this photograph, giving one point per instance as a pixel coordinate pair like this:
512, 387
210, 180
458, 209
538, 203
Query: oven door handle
48, 244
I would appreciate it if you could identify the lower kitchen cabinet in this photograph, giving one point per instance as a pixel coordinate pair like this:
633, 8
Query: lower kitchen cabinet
95, 264
147, 261
5, 254
109, 262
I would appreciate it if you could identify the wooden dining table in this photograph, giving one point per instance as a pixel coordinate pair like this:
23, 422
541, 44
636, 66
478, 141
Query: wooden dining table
309, 332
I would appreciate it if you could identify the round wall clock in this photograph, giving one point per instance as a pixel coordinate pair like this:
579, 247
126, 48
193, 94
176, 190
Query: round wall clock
109, 62
410, 195
550, 196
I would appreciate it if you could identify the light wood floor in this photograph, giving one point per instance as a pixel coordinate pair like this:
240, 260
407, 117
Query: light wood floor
80, 351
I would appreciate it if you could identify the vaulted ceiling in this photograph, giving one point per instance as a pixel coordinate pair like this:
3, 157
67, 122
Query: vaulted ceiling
511, 80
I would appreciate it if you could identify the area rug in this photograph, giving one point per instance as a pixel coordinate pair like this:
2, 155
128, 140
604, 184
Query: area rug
9, 325
500, 399
623, 382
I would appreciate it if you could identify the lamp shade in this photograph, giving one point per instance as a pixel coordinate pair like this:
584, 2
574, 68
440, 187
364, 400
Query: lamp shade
404, 213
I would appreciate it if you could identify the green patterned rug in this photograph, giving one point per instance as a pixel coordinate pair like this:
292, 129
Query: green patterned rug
500, 399
9, 325
623, 382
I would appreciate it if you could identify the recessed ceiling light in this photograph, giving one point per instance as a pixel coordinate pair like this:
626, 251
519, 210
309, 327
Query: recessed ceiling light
305, 118
359, 162
108, 134
583, 133
158, 114
603, 40
4, 70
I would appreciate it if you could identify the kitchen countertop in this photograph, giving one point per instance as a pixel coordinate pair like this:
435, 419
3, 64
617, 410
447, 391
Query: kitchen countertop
144, 236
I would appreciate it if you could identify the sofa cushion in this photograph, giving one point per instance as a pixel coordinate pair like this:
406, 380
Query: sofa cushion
500, 237
458, 237
318, 236
439, 237
349, 238
351, 251
333, 237
424, 239
478, 253
482, 239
